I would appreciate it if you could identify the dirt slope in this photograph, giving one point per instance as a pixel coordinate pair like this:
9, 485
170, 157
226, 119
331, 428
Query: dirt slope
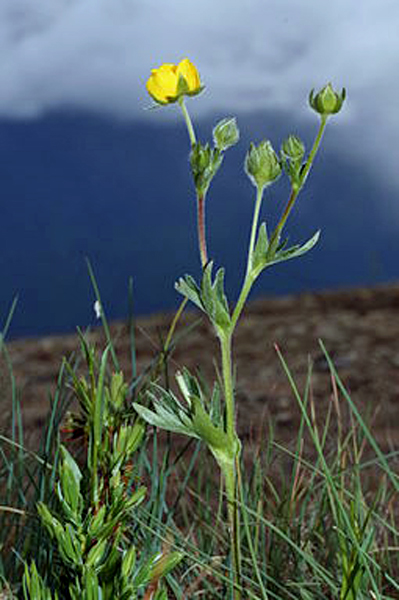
359, 327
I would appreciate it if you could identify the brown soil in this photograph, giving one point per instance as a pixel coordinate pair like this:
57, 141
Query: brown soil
359, 327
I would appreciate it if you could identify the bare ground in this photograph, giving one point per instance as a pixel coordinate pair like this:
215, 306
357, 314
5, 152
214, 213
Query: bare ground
359, 327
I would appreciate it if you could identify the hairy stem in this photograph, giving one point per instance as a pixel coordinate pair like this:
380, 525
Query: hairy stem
229, 471
295, 191
189, 123
230, 476
200, 197
227, 372
249, 275
202, 230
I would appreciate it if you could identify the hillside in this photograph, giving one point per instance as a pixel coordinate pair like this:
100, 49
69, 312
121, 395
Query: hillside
359, 327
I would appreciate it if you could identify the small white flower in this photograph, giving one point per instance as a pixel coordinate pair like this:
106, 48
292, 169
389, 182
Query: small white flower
97, 309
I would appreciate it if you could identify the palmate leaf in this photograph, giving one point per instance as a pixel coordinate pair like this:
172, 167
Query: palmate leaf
282, 253
295, 251
210, 297
168, 413
187, 287
191, 418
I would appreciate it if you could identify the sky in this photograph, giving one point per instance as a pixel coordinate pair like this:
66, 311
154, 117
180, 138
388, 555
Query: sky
257, 58
252, 54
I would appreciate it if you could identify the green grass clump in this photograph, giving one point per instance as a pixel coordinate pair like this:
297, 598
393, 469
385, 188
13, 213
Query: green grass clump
103, 510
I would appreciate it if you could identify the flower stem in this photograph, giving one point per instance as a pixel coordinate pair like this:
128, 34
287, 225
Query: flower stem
200, 197
189, 123
230, 473
201, 229
254, 228
230, 476
249, 276
229, 470
295, 191
225, 346
312, 154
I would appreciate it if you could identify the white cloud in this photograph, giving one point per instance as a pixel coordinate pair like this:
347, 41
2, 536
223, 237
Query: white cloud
252, 53
97, 55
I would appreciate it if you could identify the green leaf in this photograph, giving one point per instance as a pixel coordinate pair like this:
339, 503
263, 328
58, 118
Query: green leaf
207, 291
100, 401
72, 465
52, 524
32, 584
142, 575
107, 569
261, 248
68, 488
213, 435
92, 590
97, 522
164, 564
165, 418
135, 436
128, 562
96, 553
188, 288
295, 251
118, 389
188, 385
222, 313
282, 254
135, 499
210, 297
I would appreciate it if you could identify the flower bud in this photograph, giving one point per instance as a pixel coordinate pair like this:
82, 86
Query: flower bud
205, 162
226, 134
327, 101
292, 153
293, 149
262, 164
200, 158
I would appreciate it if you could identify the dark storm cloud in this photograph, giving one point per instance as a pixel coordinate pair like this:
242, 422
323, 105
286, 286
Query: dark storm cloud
252, 54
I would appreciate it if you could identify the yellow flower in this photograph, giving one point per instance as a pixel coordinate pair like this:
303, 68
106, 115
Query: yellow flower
169, 82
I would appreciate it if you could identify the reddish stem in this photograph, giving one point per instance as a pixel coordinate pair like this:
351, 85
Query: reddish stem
201, 230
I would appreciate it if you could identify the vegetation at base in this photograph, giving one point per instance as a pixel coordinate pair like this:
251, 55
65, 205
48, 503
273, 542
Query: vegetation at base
103, 509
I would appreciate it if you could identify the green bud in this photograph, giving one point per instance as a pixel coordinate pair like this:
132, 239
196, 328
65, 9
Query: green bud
293, 148
292, 153
327, 101
262, 164
226, 134
205, 163
201, 158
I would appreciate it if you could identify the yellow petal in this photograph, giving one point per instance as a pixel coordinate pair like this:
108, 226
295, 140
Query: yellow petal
162, 85
190, 74
169, 82
155, 90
